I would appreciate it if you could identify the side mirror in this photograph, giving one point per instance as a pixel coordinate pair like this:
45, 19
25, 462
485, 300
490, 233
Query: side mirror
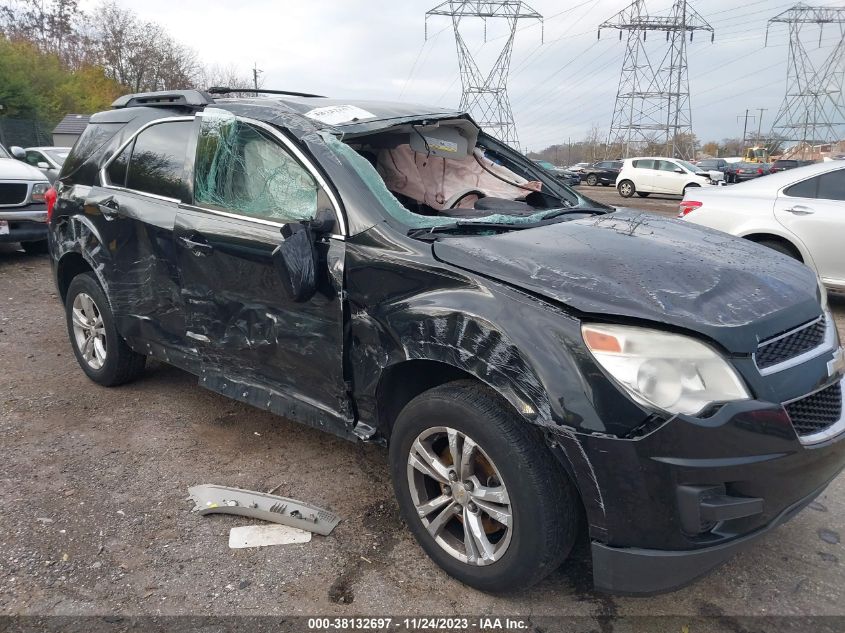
43, 165
18, 152
295, 260
678, 170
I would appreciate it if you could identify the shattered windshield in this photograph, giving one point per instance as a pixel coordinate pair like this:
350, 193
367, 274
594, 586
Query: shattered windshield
241, 168
399, 211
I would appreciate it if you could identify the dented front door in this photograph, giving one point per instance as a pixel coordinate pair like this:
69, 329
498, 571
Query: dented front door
255, 342
248, 334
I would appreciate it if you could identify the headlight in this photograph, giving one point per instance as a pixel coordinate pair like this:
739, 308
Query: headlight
38, 191
822, 294
674, 373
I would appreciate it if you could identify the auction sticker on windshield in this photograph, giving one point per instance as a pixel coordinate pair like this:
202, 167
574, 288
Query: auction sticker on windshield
339, 114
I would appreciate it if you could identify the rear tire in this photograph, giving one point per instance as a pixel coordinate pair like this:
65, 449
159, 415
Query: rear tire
466, 423
35, 248
99, 349
781, 247
626, 189
592, 180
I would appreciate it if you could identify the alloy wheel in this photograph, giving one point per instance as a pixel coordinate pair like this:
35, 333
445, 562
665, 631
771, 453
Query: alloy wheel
460, 496
89, 331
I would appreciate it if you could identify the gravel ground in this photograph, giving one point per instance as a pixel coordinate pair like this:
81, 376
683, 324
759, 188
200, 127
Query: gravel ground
664, 205
95, 519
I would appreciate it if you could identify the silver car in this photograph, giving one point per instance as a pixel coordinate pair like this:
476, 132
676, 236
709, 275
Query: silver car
799, 212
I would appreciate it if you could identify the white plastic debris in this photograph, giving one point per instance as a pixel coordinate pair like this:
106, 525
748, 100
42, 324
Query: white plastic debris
263, 535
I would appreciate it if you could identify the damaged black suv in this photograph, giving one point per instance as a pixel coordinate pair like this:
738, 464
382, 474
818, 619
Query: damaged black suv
539, 365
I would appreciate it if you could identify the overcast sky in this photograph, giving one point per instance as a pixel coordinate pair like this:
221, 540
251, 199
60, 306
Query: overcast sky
558, 89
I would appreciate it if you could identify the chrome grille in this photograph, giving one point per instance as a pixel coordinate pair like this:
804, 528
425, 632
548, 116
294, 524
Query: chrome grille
12, 192
780, 349
816, 412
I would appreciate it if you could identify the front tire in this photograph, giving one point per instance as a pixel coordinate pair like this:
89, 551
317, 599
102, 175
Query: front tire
626, 189
592, 180
479, 490
99, 349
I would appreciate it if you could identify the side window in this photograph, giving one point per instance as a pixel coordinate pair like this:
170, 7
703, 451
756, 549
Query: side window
665, 165
243, 169
804, 189
33, 158
117, 168
157, 164
832, 185
644, 164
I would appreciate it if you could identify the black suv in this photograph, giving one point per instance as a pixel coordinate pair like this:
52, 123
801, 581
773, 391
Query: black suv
539, 365
602, 173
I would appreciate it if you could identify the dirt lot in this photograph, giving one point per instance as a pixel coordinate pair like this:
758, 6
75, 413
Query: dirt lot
95, 520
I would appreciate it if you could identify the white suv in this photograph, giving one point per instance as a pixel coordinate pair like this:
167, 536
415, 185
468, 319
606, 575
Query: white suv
658, 175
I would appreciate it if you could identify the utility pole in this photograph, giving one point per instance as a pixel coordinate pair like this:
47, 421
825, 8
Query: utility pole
745, 127
255, 73
760, 125
486, 96
653, 100
813, 109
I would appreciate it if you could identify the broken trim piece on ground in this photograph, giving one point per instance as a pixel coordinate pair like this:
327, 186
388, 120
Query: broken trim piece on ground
210, 499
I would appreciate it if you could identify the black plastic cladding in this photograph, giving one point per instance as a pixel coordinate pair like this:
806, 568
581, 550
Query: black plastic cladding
504, 309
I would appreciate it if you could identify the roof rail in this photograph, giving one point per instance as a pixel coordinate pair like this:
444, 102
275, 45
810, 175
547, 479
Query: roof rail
222, 90
194, 99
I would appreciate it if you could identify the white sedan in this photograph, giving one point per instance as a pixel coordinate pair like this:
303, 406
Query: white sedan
799, 212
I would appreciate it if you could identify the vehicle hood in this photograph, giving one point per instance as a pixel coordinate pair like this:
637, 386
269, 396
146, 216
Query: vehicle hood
13, 169
646, 267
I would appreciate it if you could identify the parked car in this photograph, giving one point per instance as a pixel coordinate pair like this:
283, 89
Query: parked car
579, 167
799, 212
715, 168
645, 176
566, 176
787, 163
48, 159
392, 274
740, 172
23, 211
602, 173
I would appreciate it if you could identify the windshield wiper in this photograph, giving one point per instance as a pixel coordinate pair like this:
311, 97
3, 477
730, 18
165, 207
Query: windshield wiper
560, 212
464, 227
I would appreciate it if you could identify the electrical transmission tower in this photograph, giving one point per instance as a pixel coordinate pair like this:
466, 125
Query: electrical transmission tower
486, 96
813, 110
653, 99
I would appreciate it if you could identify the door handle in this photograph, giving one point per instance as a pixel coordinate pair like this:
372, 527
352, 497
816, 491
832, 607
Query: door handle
800, 209
109, 208
197, 245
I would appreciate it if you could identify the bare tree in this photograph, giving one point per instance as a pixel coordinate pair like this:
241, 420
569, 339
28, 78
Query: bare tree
226, 76
142, 55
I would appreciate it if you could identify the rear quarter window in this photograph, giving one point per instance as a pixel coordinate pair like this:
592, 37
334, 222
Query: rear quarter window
86, 150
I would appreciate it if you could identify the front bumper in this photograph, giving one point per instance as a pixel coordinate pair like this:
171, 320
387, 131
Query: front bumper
26, 224
647, 537
636, 571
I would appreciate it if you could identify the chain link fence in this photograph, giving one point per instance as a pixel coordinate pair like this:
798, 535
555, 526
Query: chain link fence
25, 132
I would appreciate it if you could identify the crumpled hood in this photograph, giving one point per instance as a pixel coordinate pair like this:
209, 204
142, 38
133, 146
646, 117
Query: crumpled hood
13, 169
643, 266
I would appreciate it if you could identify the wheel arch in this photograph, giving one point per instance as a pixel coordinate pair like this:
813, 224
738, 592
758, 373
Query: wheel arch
70, 265
766, 235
